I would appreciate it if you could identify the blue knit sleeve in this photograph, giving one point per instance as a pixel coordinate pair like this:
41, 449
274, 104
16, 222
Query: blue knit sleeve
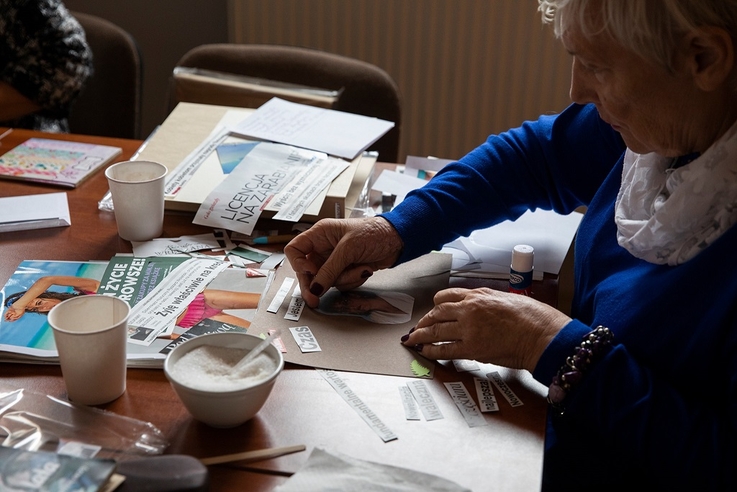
554, 163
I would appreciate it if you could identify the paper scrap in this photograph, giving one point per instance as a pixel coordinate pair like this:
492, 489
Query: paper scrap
280, 295
506, 391
305, 339
173, 246
306, 187
465, 403
465, 365
425, 400
278, 342
411, 412
368, 416
294, 311
485, 395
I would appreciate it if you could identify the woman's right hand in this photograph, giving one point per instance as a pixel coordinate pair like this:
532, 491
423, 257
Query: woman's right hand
13, 313
341, 253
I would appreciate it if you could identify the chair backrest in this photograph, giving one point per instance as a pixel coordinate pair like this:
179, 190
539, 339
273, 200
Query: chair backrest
363, 88
110, 104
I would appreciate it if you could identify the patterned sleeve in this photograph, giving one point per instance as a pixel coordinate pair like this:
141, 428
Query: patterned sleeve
44, 54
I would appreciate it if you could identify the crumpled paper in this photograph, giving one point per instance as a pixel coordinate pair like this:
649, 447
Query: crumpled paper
333, 471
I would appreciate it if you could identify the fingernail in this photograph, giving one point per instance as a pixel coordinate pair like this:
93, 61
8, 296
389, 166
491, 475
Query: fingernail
412, 330
366, 273
316, 289
418, 347
404, 338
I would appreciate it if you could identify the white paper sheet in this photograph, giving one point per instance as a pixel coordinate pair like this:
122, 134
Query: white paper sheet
20, 213
334, 132
488, 252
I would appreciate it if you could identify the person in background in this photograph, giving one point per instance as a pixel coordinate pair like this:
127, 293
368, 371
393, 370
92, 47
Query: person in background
44, 64
643, 376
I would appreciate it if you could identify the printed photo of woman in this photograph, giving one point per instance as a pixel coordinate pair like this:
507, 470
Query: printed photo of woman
387, 308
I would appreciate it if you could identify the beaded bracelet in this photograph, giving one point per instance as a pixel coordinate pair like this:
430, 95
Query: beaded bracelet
594, 344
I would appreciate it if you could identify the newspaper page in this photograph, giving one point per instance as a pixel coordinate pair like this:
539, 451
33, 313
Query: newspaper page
237, 203
160, 308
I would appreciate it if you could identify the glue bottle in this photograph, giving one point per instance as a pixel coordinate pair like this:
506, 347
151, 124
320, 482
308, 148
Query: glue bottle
520, 272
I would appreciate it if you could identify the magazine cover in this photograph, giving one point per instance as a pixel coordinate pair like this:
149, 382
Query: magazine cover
227, 302
55, 162
31, 292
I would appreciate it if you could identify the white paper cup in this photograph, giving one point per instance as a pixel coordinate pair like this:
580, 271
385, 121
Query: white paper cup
137, 189
90, 332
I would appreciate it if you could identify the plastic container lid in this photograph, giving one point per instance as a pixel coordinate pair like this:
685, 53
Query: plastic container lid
523, 257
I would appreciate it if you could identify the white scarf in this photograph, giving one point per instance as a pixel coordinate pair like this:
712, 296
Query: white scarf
667, 216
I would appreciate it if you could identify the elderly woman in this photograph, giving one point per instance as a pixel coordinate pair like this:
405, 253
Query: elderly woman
643, 378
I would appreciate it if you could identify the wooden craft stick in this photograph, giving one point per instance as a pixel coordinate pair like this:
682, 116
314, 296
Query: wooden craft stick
250, 456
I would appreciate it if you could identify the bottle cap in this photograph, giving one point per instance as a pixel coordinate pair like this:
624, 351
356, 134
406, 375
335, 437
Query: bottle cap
522, 258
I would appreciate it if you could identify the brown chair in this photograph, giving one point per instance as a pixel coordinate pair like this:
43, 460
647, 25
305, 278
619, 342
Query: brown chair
110, 104
362, 88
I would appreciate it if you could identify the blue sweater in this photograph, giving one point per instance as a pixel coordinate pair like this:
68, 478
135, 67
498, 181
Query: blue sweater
660, 410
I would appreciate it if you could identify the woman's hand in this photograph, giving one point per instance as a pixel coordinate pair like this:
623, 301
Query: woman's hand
341, 253
13, 313
488, 326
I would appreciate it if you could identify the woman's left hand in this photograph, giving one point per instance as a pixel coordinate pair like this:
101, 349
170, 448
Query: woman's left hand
506, 329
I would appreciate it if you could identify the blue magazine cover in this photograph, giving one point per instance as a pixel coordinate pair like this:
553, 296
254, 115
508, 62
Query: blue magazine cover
24, 319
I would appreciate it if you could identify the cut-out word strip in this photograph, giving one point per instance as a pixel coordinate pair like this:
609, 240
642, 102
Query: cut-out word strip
280, 295
425, 400
294, 311
408, 402
506, 391
305, 339
465, 404
384, 432
485, 394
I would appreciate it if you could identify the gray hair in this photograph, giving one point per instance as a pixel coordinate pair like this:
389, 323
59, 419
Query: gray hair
651, 29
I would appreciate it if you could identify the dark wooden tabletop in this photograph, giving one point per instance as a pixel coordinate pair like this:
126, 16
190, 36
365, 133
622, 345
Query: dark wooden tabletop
506, 454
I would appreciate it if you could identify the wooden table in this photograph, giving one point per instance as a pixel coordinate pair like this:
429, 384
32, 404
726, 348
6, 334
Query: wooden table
506, 454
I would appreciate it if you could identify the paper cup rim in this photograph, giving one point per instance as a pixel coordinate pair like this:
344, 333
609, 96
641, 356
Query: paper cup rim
88, 296
115, 180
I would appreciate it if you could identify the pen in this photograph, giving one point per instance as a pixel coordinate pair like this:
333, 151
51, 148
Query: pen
5, 134
279, 238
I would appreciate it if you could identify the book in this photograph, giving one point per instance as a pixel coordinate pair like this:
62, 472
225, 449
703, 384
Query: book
28, 337
198, 160
55, 162
46, 471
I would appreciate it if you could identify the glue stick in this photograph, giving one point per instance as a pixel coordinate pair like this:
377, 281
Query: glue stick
520, 272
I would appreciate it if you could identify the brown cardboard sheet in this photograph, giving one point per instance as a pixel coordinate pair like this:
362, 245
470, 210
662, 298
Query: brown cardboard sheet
352, 343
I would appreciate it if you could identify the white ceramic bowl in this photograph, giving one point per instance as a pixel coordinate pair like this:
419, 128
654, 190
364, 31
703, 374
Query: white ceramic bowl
223, 408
